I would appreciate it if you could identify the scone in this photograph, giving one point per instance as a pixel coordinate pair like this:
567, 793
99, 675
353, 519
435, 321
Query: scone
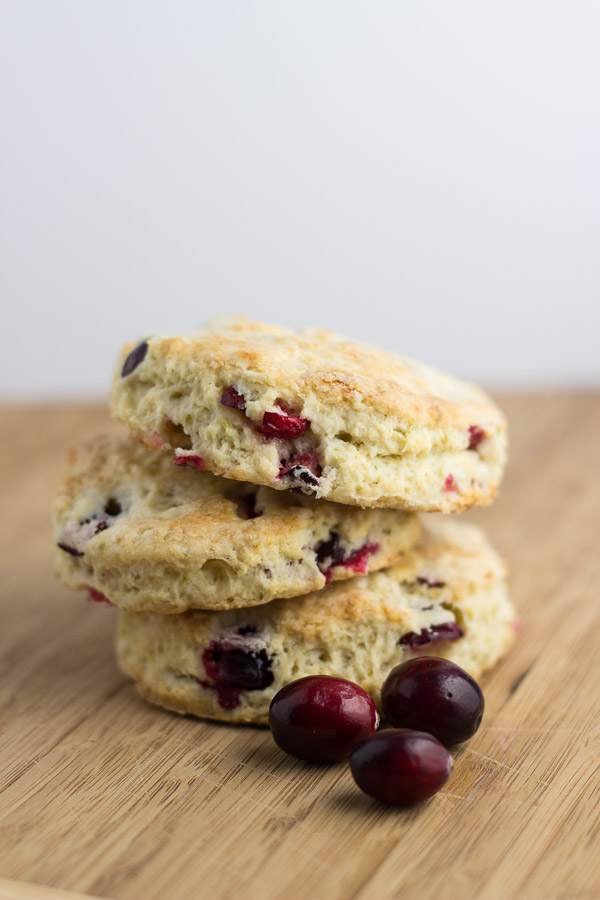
447, 597
316, 412
149, 535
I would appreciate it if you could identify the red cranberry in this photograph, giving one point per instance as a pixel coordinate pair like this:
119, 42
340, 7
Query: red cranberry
330, 554
447, 631
230, 397
359, 559
98, 597
400, 766
303, 471
321, 718
433, 695
189, 460
476, 436
134, 359
233, 669
281, 426
307, 461
450, 484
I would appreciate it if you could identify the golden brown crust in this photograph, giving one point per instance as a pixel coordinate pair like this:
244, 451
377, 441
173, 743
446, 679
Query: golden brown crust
386, 431
337, 370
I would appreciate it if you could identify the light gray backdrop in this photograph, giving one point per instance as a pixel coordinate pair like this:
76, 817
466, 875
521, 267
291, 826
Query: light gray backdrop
420, 175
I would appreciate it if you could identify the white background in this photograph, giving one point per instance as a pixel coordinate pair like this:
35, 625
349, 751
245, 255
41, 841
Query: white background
422, 175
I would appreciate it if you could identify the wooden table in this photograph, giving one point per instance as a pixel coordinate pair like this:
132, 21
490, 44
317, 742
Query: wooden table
107, 796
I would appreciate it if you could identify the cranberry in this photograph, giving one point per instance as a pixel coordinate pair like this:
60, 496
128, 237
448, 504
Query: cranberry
134, 359
281, 426
307, 462
400, 766
330, 554
476, 436
359, 559
233, 669
113, 507
450, 484
230, 397
303, 471
433, 695
98, 597
321, 718
72, 550
447, 631
431, 582
189, 460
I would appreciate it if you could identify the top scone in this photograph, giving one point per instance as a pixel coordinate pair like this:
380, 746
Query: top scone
314, 411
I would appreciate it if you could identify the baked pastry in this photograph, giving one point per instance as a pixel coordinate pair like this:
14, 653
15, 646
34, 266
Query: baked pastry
315, 412
447, 597
148, 535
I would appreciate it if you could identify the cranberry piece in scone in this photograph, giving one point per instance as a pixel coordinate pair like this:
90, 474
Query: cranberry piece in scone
137, 356
233, 669
447, 631
476, 436
284, 427
188, 460
230, 397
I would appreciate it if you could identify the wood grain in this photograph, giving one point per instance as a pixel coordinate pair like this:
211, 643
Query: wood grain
103, 795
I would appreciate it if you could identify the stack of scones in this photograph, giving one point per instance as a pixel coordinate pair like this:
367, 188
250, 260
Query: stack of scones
262, 520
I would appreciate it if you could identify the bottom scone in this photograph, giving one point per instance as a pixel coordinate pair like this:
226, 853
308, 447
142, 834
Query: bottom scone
446, 598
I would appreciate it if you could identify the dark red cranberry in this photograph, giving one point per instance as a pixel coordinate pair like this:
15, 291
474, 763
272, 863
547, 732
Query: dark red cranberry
230, 397
72, 550
134, 359
303, 477
285, 427
189, 461
447, 631
401, 767
330, 554
431, 582
433, 695
476, 436
450, 484
321, 718
98, 597
112, 507
233, 669
306, 462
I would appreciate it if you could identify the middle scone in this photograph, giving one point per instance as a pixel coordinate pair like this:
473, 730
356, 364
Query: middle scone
154, 537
